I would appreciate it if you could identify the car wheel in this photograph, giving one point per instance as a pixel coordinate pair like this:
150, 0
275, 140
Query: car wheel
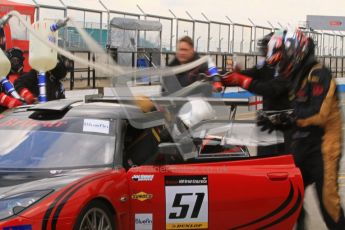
95, 216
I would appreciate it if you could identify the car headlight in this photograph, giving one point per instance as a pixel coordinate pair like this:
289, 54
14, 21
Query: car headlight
12, 205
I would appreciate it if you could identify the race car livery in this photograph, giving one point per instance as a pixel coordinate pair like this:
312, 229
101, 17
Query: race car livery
63, 165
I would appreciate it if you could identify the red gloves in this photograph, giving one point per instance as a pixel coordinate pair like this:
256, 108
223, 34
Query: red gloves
217, 87
237, 79
8, 101
27, 96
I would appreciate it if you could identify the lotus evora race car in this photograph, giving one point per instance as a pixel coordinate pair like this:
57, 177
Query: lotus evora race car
63, 165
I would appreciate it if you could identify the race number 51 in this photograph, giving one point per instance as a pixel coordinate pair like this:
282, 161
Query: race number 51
186, 200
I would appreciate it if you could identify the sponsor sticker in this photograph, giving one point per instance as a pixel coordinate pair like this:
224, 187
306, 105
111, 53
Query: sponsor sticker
187, 226
96, 126
143, 221
142, 177
186, 200
142, 196
317, 90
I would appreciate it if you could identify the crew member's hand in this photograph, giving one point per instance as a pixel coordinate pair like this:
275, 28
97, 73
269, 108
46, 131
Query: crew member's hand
237, 79
217, 87
144, 103
263, 121
9, 102
27, 96
280, 120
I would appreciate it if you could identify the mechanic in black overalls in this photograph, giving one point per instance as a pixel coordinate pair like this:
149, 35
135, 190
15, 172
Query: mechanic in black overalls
9, 98
263, 80
27, 84
317, 139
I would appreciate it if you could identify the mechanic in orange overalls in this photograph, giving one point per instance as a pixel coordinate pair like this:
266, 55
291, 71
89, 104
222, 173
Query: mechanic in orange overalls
317, 140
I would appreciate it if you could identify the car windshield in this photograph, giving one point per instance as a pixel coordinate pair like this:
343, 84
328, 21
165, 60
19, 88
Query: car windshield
238, 133
66, 143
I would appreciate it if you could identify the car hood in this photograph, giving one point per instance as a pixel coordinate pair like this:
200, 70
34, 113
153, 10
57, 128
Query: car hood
19, 181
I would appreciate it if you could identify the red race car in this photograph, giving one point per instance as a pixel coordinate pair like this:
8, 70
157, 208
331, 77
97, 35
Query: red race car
64, 165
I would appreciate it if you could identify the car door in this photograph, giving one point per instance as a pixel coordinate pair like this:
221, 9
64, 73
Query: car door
217, 192
241, 194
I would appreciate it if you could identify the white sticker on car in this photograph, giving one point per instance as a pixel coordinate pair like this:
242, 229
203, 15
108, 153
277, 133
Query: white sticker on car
186, 199
142, 177
143, 221
96, 126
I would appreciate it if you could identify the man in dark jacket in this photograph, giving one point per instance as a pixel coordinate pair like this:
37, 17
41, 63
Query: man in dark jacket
263, 80
27, 84
185, 54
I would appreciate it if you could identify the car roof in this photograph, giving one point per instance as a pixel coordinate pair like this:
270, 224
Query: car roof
98, 110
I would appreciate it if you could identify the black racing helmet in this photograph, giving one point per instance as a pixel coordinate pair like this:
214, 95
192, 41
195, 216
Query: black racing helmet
16, 57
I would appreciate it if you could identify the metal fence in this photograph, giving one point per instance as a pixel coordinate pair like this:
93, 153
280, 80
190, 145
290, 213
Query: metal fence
218, 38
208, 35
335, 63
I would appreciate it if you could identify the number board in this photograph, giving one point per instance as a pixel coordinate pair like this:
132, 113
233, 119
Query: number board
186, 202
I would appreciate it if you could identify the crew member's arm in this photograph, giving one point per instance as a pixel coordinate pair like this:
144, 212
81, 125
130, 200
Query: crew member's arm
272, 88
8, 101
251, 72
27, 86
322, 93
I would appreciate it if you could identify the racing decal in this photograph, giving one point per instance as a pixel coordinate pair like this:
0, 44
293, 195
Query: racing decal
142, 196
317, 90
277, 211
67, 197
96, 126
186, 200
18, 123
143, 221
142, 177
54, 203
69, 191
19, 227
296, 206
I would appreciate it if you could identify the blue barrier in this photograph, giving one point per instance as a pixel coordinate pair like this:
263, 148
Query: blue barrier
341, 88
246, 94
242, 94
143, 63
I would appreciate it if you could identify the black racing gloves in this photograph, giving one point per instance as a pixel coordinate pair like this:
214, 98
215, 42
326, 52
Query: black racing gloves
275, 120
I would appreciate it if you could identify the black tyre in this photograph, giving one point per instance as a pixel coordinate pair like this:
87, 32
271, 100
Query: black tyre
95, 216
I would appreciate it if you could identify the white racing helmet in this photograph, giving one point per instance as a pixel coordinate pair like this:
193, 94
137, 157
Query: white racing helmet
195, 111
